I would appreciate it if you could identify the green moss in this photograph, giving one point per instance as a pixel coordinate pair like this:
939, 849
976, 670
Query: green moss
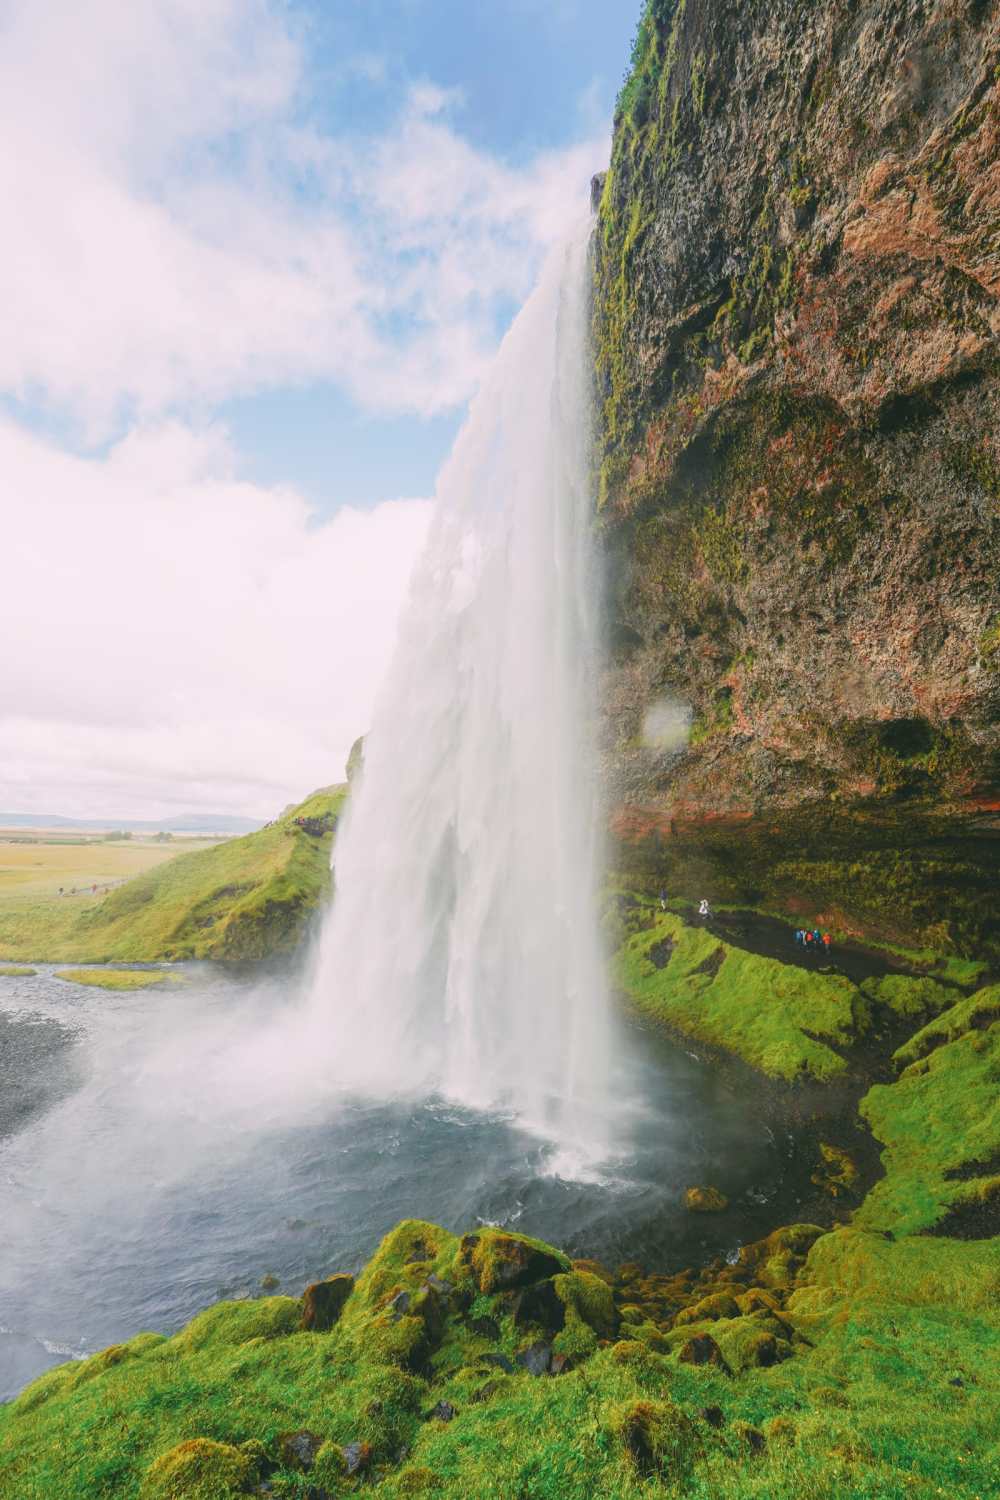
118, 979
784, 1020
973, 1012
16, 971
197, 1469
936, 1122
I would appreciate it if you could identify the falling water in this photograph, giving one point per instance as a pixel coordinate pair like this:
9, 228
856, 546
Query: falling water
461, 954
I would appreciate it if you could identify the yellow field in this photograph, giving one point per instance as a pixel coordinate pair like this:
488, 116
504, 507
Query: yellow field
29, 871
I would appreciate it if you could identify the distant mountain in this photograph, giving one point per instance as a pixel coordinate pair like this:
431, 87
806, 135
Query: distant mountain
184, 823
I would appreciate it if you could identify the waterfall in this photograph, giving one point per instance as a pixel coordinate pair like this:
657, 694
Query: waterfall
461, 954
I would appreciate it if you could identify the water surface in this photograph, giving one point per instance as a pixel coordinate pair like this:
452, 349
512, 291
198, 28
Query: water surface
168, 1147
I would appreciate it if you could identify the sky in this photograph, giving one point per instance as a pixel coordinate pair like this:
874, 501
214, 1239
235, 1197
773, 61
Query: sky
257, 256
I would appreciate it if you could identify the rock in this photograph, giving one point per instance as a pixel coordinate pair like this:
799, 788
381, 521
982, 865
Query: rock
596, 189
323, 1302
443, 1412
357, 1457
500, 1261
702, 1350
269, 1283
657, 1436
299, 1449
540, 1305
400, 1305
717, 1305
713, 1415
705, 1200
442, 1287
536, 1358
485, 1328
560, 1364
198, 1468
487, 1392
799, 475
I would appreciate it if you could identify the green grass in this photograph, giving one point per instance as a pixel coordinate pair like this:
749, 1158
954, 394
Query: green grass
940, 1118
244, 899
118, 979
886, 1386
787, 1021
16, 971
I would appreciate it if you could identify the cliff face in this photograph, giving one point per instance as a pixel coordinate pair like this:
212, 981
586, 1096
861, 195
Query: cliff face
797, 311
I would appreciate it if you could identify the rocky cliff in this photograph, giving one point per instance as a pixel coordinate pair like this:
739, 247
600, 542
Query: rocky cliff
797, 263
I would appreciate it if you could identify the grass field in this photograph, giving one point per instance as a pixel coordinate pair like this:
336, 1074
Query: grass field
242, 898
34, 866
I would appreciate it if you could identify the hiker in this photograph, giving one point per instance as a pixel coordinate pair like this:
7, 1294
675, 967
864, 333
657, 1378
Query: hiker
807, 938
663, 900
798, 936
817, 937
703, 910
827, 941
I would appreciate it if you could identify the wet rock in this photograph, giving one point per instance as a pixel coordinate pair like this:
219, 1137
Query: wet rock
536, 1358
540, 1305
596, 190
702, 1350
443, 1412
705, 1200
299, 1449
441, 1286
713, 1415
323, 1302
560, 1364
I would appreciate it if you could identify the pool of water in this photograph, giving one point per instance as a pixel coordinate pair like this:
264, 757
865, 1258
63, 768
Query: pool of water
164, 1148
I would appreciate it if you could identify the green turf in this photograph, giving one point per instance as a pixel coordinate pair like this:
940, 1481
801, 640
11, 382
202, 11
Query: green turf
244, 899
118, 979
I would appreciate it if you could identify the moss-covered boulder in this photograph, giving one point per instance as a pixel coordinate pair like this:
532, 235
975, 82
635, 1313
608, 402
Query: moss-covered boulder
705, 1200
657, 1436
197, 1469
498, 1260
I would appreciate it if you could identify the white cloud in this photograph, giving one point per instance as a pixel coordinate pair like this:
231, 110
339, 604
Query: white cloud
178, 231
175, 638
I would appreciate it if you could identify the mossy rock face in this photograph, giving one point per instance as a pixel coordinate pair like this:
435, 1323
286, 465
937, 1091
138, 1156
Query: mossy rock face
323, 1302
705, 1200
499, 1261
198, 1469
799, 394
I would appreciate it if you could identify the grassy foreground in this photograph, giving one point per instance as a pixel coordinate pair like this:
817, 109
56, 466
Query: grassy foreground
857, 1364
118, 979
244, 899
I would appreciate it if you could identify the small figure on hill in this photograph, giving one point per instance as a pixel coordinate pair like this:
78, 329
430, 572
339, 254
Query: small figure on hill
798, 936
703, 910
663, 900
827, 940
817, 938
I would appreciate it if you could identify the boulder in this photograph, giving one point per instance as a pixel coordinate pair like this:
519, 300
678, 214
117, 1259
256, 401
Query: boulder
443, 1412
499, 1261
702, 1350
323, 1302
705, 1200
536, 1358
717, 1305
299, 1449
540, 1305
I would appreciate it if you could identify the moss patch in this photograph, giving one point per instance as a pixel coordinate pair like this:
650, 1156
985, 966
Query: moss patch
118, 979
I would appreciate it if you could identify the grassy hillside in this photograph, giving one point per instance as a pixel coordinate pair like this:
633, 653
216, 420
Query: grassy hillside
858, 1364
244, 899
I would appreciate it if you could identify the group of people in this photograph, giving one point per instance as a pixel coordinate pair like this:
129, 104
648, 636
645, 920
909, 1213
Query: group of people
815, 941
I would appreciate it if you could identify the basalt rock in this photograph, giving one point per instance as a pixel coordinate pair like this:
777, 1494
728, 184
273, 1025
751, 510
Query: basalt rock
323, 1302
797, 312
